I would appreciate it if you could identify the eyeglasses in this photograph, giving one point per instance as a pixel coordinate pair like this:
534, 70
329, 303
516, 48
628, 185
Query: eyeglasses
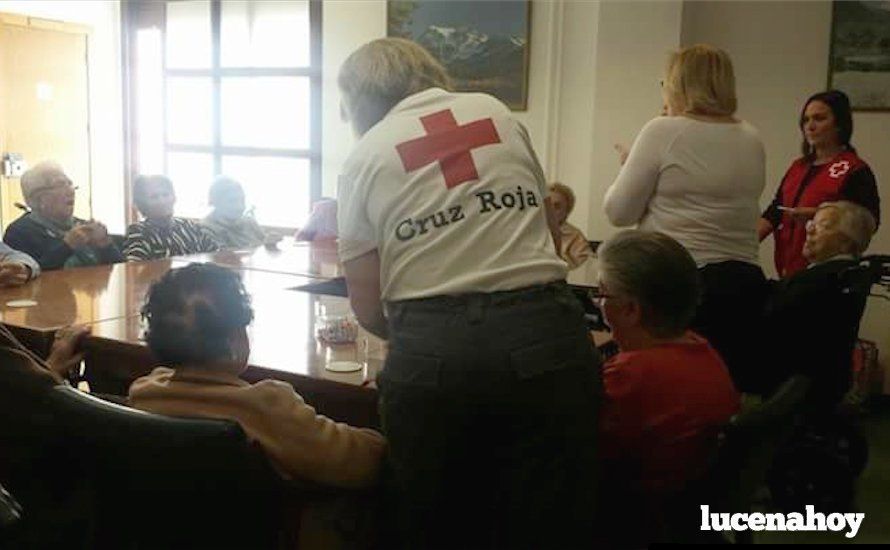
812, 225
61, 182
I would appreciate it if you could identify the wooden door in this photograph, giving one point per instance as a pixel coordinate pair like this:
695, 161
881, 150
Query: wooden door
44, 104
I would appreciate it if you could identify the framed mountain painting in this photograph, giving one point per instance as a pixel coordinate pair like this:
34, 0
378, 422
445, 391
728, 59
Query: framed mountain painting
859, 62
484, 45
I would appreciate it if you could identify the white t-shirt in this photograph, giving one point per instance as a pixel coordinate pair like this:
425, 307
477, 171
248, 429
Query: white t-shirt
699, 182
448, 189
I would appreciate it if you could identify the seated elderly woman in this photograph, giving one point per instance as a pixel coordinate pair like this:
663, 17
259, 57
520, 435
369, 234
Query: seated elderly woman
160, 234
812, 317
197, 325
50, 233
667, 390
228, 223
573, 245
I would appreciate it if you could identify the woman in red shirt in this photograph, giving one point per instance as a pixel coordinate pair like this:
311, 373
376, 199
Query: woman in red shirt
829, 170
667, 390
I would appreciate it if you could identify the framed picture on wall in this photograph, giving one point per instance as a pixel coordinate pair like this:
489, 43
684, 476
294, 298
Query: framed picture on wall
484, 45
859, 61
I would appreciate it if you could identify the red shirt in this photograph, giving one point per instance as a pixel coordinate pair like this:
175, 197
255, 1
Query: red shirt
663, 409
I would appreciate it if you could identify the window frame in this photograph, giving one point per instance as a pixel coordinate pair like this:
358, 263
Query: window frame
136, 15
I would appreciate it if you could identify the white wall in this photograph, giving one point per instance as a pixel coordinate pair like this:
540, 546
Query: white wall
780, 52
106, 104
633, 41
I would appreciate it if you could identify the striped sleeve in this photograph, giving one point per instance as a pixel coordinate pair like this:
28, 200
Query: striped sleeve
136, 244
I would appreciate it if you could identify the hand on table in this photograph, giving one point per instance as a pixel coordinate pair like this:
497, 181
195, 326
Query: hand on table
14, 274
272, 239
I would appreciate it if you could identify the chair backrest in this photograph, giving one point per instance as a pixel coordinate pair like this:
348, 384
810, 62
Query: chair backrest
136, 479
202, 476
749, 442
10, 509
743, 457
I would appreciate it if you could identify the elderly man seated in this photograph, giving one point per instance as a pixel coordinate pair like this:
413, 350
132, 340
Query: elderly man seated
50, 233
228, 223
812, 317
667, 390
16, 268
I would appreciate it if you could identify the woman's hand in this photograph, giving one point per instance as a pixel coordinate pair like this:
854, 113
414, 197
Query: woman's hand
79, 237
14, 274
66, 355
100, 238
764, 228
801, 213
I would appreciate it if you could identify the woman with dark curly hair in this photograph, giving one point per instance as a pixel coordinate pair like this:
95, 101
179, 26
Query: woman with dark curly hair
197, 325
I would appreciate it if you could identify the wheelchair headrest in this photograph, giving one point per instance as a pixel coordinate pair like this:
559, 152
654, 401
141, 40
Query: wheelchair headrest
871, 270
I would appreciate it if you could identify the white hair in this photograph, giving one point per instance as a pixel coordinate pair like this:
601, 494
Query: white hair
855, 222
38, 178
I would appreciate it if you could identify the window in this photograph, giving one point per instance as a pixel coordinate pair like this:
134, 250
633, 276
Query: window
227, 87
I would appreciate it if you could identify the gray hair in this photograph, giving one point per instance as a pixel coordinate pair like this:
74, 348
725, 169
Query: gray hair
220, 189
38, 178
659, 273
855, 222
383, 72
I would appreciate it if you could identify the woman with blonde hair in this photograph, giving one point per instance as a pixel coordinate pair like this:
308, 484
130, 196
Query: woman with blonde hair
574, 248
490, 389
697, 175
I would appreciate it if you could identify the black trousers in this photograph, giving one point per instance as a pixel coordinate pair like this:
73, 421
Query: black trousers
490, 403
731, 317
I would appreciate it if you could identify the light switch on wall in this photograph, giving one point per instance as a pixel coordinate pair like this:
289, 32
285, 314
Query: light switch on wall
13, 165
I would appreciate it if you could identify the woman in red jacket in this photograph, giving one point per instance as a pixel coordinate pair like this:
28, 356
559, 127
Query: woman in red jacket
829, 170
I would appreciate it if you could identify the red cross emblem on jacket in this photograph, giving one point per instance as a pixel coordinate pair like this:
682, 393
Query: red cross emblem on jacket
450, 145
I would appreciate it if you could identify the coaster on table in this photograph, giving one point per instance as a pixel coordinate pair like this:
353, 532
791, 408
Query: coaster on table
21, 303
343, 366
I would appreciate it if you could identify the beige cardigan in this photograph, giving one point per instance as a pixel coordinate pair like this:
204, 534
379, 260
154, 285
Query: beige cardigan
299, 442
573, 246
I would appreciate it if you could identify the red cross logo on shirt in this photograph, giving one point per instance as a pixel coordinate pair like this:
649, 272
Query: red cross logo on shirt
448, 144
839, 168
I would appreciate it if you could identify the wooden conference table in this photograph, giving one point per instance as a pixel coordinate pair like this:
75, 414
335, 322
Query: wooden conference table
283, 345
282, 336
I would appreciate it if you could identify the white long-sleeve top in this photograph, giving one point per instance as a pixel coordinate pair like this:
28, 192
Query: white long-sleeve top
698, 182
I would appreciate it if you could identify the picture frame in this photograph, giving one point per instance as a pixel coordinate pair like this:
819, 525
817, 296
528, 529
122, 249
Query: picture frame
483, 45
859, 58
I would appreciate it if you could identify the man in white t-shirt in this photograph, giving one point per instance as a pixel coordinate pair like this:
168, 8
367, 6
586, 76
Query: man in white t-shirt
490, 390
